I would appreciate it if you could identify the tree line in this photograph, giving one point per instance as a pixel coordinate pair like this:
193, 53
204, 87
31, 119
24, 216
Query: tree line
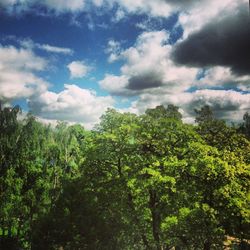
145, 181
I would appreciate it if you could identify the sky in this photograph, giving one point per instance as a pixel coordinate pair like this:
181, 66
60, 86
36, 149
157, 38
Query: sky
71, 60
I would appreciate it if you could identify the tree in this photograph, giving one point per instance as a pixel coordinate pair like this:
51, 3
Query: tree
76, 221
160, 111
133, 182
10, 184
205, 114
245, 126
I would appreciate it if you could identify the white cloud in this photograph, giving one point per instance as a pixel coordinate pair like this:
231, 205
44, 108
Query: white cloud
8, 2
30, 44
193, 14
205, 11
114, 84
113, 46
223, 98
113, 49
98, 3
20, 59
55, 49
119, 15
16, 5
78, 69
147, 65
17, 73
149, 73
147, 69
18, 79
58, 6
154, 8
227, 104
223, 77
73, 104
65, 5
149, 24
149, 61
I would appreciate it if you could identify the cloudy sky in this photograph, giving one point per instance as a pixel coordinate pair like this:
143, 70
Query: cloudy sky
71, 60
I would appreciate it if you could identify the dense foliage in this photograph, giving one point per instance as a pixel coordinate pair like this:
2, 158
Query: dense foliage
133, 182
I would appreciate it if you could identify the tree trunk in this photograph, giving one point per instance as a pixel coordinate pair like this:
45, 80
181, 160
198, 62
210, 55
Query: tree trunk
207, 245
155, 218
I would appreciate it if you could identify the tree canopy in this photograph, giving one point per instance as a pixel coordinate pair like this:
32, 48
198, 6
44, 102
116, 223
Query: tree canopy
145, 181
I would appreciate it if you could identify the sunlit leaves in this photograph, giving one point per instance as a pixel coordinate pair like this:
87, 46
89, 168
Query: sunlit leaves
134, 182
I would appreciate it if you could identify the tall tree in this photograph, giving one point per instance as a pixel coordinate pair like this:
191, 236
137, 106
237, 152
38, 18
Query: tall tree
10, 184
160, 111
245, 126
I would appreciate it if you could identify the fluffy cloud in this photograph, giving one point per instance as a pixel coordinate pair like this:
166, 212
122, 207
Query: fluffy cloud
193, 13
18, 79
65, 5
203, 12
149, 73
17, 73
156, 8
78, 69
222, 77
73, 104
8, 2
223, 42
212, 54
20, 59
119, 15
98, 3
147, 66
164, 8
115, 84
56, 5
227, 104
113, 49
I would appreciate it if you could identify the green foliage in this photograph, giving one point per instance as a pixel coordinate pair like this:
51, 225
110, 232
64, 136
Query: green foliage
134, 182
245, 126
161, 112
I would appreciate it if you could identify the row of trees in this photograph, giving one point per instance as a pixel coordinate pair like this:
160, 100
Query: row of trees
133, 182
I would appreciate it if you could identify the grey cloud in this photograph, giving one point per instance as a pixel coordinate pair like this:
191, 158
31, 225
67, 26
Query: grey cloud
145, 81
229, 105
224, 42
226, 104
183, 2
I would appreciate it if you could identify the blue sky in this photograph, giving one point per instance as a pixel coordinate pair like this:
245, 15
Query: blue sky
71, 60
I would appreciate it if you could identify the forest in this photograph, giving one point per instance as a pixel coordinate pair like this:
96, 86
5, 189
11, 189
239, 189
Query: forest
133, 182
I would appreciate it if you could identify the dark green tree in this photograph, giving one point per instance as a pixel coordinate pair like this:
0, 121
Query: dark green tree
245, 126
10, 183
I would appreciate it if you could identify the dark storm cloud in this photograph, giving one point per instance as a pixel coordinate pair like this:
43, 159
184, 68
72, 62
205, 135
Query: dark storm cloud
224, 43
146, 81
183, 2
